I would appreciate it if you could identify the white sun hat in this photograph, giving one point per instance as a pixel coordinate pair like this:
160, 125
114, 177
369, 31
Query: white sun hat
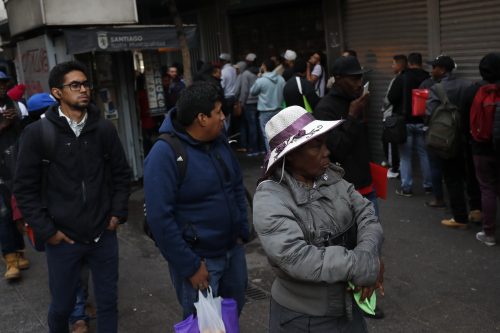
291, 128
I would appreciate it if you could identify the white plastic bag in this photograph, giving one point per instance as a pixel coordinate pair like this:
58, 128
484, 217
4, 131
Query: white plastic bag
208, 311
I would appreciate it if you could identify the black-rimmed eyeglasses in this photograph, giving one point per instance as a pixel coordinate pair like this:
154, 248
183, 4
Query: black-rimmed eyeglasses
77, 85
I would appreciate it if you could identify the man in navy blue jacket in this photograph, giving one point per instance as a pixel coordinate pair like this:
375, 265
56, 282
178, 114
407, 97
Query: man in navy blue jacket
199, 220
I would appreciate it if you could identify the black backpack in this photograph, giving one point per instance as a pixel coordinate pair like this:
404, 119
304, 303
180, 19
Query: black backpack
443, 135
181, 161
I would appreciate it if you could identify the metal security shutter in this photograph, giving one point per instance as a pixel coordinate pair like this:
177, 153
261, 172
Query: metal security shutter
469, 30
378, 30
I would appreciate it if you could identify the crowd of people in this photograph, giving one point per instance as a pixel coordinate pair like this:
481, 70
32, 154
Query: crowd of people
315, 207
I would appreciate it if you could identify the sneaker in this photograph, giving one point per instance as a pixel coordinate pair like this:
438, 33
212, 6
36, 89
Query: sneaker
428, 190
451, 223
475, 216
392, 174
435, 203
80, 326
487, 240
404, 193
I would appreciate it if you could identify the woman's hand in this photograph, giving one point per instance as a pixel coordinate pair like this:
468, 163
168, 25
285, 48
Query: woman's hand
366, 292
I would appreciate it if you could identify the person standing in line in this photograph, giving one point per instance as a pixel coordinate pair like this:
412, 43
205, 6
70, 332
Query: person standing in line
269, 89
453, 168
486, 155
401, 91
399, 64
85, 196
250, 133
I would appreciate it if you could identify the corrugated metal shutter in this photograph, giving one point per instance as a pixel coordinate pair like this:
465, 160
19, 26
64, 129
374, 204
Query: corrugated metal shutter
469, 30
378, 30
209, 31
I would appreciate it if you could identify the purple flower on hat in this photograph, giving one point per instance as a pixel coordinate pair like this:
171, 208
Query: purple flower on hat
281, 147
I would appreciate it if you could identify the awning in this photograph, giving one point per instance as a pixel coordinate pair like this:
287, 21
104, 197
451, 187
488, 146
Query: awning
124, 38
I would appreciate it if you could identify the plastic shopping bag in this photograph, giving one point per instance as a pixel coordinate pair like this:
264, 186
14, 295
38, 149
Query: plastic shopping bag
208, 310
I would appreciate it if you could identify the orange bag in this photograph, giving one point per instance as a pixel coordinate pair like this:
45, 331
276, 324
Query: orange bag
418, 99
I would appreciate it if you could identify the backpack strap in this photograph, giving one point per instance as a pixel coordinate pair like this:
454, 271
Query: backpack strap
441, 93
299, 84
180, 152
48, 133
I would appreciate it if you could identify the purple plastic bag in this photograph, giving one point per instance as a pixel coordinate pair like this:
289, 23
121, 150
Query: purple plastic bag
188, 325
229, 309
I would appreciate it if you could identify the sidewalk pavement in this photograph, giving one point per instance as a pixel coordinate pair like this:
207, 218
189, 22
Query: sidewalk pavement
436, 280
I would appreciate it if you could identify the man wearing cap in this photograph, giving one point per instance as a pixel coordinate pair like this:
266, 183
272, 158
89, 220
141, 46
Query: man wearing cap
455, 169
228, 77
250, 132
290, 56
11, 239
348, 143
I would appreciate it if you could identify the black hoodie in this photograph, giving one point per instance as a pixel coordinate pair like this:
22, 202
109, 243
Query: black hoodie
81, 198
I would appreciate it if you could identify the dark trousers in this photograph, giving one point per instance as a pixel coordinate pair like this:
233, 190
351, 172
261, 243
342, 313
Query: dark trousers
488, 174
64, 264
284, 320
394, 154
11, 239
454, 174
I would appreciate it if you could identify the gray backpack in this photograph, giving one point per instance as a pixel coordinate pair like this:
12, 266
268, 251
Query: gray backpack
443, 134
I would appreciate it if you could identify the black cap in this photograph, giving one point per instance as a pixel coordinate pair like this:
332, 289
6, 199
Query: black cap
489, 67
345, 66
444, 62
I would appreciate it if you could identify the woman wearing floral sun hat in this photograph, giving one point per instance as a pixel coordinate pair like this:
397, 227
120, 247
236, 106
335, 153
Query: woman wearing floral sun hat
317, 230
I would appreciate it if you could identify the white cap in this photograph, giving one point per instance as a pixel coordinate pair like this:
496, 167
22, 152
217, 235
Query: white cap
225, 56
250, 57
290, 55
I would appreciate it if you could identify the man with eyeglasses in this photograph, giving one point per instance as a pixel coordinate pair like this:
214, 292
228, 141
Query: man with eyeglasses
83, 199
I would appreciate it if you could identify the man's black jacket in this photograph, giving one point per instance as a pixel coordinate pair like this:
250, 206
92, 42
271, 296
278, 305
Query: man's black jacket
293, 97
348, 143
400, 94
81, 198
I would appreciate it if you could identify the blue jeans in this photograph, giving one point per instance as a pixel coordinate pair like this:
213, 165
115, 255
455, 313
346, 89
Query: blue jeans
82, 295
414, 140
437, 176
264, 117
64, 264
10, 237
250, 130
228, 279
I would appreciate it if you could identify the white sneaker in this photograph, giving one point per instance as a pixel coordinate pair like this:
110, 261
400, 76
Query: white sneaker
488, 240
391, 174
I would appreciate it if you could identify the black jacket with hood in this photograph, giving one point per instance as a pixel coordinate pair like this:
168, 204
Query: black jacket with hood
88, 178
348, 143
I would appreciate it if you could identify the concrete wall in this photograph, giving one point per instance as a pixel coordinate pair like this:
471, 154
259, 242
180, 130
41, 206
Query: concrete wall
25, 15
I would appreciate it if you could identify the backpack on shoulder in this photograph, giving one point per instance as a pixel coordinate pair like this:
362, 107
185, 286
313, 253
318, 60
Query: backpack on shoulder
181, 161
443, 135
485, 115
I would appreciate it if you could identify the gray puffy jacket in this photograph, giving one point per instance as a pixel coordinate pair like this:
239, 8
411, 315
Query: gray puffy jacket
305, 233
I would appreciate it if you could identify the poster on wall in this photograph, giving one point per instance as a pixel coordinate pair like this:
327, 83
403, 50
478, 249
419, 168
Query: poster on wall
33, 62
154, 87
110, 110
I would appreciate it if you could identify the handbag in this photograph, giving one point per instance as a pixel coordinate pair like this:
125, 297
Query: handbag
394, 129
307, 106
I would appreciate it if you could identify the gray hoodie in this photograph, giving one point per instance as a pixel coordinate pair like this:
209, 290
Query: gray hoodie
300, 228
269, 89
